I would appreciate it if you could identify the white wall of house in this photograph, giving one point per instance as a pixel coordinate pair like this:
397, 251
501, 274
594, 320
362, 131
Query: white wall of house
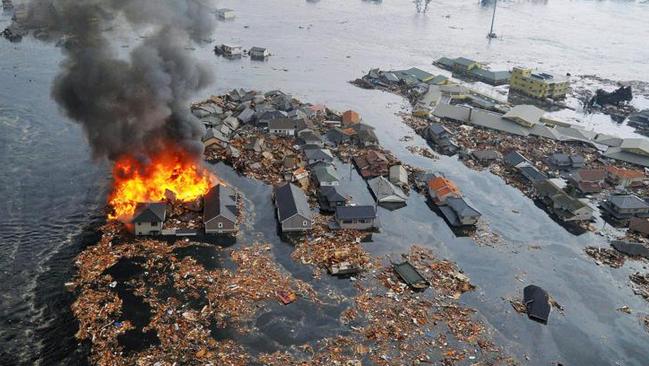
148, 228
283, 131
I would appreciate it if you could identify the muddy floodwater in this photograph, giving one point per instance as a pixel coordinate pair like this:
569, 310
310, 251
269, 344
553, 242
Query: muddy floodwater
52, 191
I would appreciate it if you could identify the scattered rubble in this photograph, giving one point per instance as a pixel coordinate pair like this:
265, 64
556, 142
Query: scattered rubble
324, 248
607, 256
425, 152
641, 284
184, 296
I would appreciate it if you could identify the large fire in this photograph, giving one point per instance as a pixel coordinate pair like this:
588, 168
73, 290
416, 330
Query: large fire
170, 170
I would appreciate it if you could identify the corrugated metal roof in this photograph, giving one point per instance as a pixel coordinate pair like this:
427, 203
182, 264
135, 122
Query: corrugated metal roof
290, 201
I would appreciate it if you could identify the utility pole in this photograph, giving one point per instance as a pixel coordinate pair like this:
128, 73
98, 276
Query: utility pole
493, 17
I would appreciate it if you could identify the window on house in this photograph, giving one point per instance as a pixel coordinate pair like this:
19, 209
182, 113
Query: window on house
305, 223
220, 225
154, 223
139, 223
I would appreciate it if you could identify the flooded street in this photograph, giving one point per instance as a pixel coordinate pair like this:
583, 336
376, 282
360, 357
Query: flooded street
52, 190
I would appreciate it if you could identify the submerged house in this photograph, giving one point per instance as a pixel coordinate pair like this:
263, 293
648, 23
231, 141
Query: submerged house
624, 207
441, 137
314, 156
440, 188
515, 159
149, 218
565, 162
458, 212
486, 157
225, 14
220, 210
624, 177
372, 164
566, 207
259, 53
293, 212
325, 175
588, 180
386, 192
356, 217
329, 198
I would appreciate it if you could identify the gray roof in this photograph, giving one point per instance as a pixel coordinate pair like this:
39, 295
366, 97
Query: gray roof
281, 124
332, 194
532, 174
514, 158
619, 154
461, 207
438, 129
270, 115
150, 211
491, 75
291, 201
627, 201
220, 201
318, 154
560, 158
525, 112
355, 212
325, 173
495, 121
445, 61
486, 154
464, 61
384, 191
257, 49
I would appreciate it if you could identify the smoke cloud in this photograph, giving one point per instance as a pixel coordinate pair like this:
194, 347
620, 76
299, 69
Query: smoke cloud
131, 105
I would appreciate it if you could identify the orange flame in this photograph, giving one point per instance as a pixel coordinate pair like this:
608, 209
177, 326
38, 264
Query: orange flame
171, 169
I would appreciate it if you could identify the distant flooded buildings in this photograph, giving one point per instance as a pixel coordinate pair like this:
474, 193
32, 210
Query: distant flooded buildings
467, 68
540, 85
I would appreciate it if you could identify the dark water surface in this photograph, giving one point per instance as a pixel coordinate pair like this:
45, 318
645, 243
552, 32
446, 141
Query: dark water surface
51, 190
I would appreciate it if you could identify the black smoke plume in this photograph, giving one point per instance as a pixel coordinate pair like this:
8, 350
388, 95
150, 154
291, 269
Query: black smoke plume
135, 104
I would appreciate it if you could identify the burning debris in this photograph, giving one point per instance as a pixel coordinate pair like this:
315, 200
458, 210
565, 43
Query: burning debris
172, 175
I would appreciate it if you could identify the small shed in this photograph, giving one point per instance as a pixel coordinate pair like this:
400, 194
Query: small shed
259, 53
398, 175
225, 14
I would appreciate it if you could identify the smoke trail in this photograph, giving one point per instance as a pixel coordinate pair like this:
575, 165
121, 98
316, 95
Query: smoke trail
134, 105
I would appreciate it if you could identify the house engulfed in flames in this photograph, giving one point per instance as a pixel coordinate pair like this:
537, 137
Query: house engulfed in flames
145, 195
